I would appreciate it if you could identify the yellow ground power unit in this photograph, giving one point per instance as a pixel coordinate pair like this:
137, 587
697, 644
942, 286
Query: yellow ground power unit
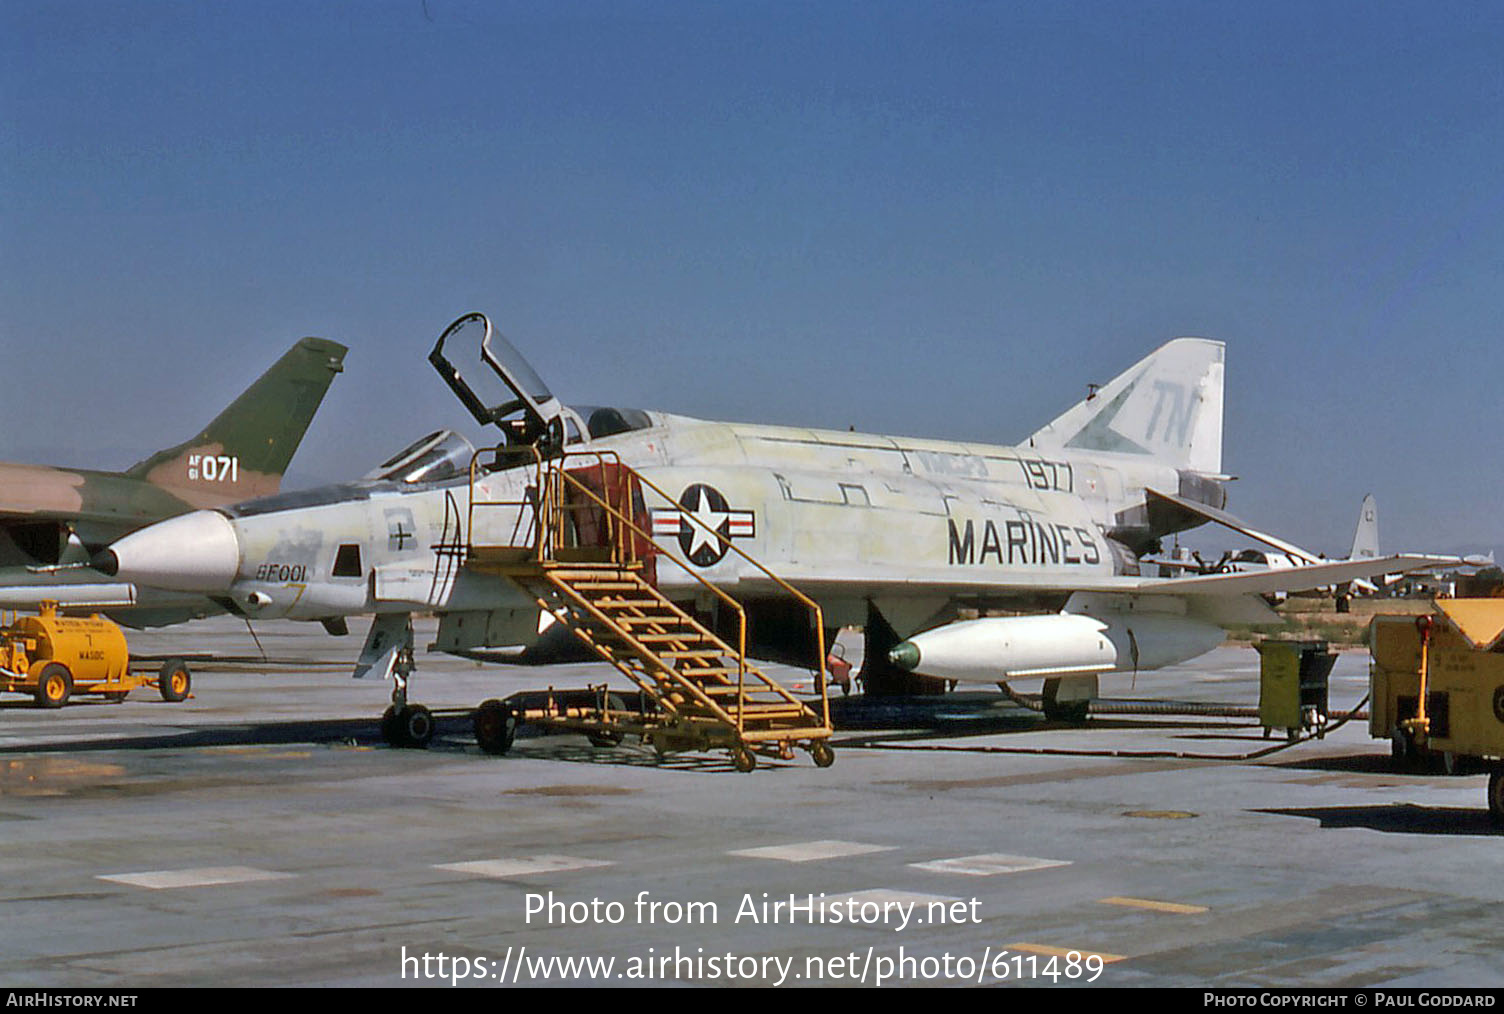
53, 657
1437, 689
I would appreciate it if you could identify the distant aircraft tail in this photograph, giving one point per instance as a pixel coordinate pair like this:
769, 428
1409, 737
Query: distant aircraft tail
245, 450
1366, 535
1167, 406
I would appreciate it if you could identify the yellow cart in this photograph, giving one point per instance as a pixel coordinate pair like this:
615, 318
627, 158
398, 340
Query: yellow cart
53, 657
1437, 689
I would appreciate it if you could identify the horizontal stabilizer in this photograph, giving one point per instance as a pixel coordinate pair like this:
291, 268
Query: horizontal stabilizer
1291, 579
1242, 528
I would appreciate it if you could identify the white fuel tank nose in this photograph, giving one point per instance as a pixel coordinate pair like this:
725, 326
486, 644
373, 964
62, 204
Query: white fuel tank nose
194, 552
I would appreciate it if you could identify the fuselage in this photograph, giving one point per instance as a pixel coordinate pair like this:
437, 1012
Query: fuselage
943, 519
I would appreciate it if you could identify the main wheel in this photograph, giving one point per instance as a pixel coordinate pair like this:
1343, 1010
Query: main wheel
1496, 797
418, 726
174, 682
54, 684
495, 727
821, 753
1073, 712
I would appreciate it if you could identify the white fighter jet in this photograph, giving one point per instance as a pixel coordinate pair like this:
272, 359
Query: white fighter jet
894, 534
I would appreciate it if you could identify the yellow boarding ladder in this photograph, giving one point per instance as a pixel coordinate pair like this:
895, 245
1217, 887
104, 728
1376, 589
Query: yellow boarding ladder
588, 560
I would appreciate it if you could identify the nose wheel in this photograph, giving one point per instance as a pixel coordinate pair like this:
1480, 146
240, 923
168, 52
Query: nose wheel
406, 725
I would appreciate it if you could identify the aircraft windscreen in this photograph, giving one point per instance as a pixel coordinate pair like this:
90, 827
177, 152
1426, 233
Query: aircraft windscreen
607, 422
436, 456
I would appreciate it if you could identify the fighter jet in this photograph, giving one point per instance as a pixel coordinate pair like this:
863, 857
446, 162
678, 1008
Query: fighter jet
53, 519
895, 534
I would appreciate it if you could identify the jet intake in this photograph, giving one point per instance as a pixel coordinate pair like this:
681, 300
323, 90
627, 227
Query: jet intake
1000, 648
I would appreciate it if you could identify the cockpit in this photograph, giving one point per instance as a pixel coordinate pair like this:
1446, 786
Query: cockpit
500, 388
608, 422
429, 459
506, 393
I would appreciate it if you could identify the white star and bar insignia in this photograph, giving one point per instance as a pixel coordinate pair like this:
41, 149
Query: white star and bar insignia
709, 508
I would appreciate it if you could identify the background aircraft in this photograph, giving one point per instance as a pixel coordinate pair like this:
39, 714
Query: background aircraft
1284, 555
52, 518
893, 534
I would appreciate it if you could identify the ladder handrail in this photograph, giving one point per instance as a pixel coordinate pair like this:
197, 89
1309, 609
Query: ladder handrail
548, 519
809, 603
741, 612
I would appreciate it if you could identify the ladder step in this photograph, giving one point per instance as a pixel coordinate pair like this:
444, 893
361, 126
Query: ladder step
583, 576
690, 671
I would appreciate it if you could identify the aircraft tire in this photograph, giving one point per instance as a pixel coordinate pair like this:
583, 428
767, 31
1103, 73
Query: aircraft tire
418, 726
1072, 712
174, 681
743, 760
495, 727
391, 730
54, 685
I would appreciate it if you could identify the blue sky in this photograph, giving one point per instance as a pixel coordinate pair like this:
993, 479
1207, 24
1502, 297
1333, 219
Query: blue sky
938, 219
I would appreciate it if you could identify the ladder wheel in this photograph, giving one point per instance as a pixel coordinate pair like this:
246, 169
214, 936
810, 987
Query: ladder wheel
495, 727
821, 753
742, 759
605, 739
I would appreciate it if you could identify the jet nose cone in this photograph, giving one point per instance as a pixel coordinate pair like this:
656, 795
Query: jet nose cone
905, 655
195, 552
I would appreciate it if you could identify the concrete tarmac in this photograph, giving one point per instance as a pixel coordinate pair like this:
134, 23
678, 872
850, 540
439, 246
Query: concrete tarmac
260, 834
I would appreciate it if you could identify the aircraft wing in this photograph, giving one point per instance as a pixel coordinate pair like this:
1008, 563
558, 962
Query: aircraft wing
956, 581
1228, 521
1291, 579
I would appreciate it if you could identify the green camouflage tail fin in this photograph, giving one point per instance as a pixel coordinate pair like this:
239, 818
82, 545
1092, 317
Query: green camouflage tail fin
245, 450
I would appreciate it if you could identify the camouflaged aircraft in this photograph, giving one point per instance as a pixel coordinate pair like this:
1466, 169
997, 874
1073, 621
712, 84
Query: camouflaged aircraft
897, 535
53, 519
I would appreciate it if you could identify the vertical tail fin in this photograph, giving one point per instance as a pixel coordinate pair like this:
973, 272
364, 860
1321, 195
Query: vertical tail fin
245, 450
1166, 406
1366, 535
